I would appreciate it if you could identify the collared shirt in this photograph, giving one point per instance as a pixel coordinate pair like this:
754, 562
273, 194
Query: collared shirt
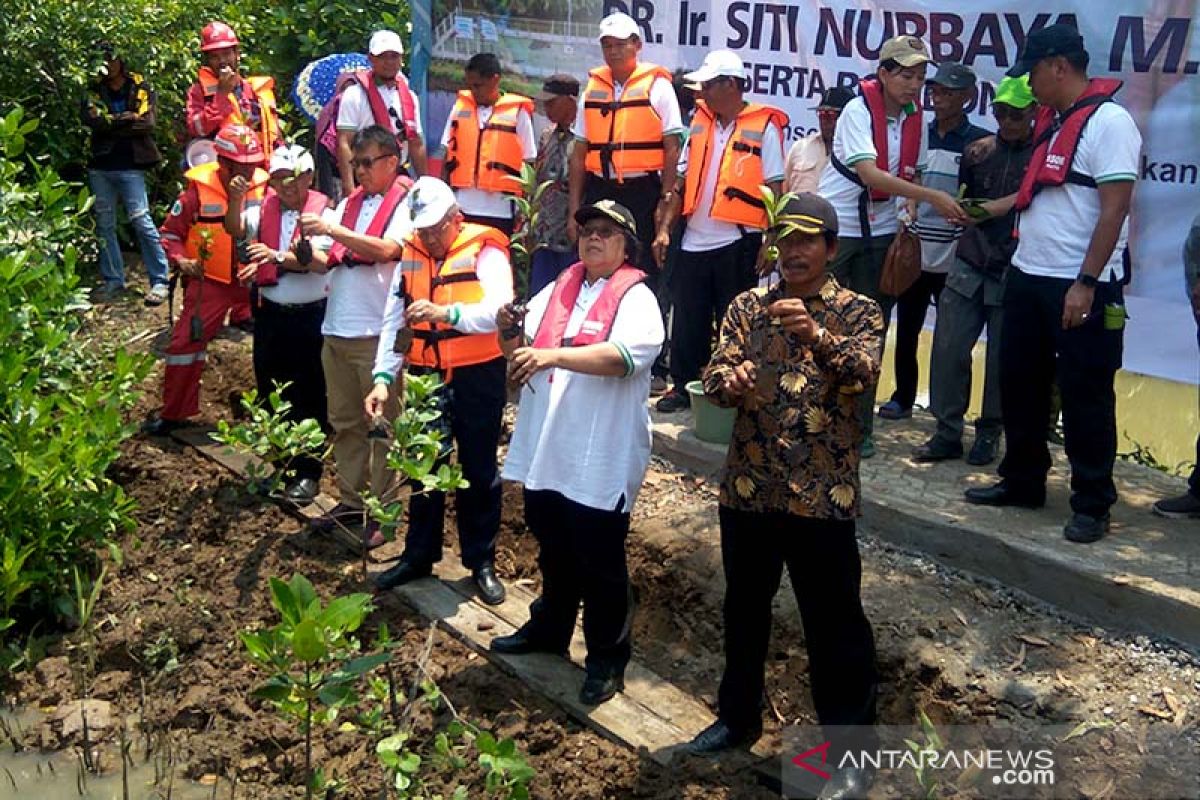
294, 288
938, 237
797, 434
354, 111
664, 102
806, 161
553, 164
492, 204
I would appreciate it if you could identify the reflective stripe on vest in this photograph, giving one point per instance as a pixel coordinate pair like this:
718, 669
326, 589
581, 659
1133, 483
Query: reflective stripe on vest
217, 256
263, 88
489, 159
440, 346
738, 197
624, 135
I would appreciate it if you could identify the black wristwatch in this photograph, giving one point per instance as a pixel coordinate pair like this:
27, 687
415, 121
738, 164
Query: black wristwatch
1089, 281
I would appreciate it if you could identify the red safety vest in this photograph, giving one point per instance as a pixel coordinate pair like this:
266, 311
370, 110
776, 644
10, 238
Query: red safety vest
339, 253
597, 325
379, 109
1050, 164
910, 135
271, 216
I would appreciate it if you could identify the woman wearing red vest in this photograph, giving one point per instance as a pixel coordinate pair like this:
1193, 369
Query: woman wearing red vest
878, 155
581, 443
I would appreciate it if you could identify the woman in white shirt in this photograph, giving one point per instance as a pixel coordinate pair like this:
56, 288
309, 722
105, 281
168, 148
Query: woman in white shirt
581, 443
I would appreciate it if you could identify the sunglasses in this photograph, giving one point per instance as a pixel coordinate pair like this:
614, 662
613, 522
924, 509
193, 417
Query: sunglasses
1014, 114
366, 162
828, 112
601, 231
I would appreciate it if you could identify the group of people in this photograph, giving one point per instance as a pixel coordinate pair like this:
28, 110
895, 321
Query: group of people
410, 273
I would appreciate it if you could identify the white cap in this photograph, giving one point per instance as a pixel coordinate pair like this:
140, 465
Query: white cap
718, 64
385, 42
619, 26
294, 159
429, 201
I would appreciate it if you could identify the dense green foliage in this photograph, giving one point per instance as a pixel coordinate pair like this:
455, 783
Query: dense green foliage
64, 400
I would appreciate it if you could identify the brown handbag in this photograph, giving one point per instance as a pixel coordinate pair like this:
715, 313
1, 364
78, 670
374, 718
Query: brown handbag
901, 264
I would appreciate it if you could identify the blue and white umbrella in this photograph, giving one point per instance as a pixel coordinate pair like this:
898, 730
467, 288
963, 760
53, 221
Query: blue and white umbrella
317, 82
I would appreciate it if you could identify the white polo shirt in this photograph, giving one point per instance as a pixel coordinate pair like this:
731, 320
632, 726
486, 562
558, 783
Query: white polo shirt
1057, 228
853, 142
354, 111
703, 233
294, 288
493, 204
358, 295
587, 437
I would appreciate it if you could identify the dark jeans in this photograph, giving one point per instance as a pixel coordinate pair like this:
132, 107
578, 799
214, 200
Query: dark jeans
1194, 480
582, 558
910, 319
546, 265
474, 407
287, 349
822, 560
858, 267
702, 287
505, 226
1034, 351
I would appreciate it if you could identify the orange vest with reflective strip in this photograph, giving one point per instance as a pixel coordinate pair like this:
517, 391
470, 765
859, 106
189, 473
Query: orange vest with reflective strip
489, 158
624, 134
264, 92
737, 198
220, 260
452, 280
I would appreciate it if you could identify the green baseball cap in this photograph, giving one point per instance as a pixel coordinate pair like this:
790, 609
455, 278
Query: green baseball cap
1014, 92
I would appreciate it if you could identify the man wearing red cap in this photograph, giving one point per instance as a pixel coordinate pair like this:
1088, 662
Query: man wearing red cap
221, 96
198, 247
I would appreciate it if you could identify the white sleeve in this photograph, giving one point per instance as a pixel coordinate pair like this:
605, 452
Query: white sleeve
772, 154
535, 309
923, 153
525, 134
853, 140
666, 105
417, 114
354, 113
1113, 152
250, 221
446, 130
638, 328
495, 276
387, 361
579, 130
400, 225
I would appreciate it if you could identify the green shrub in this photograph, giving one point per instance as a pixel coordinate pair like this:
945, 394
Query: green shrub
63, 399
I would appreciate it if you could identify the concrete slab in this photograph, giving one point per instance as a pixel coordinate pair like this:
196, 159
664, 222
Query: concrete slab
1144, 576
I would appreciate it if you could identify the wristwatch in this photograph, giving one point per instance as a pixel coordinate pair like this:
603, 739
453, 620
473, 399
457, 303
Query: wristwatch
1088, 281
280, 257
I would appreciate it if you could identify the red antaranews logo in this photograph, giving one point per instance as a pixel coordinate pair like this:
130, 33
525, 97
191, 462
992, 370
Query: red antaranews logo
802, 759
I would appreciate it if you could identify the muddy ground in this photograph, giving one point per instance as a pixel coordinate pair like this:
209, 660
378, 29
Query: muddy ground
195, 573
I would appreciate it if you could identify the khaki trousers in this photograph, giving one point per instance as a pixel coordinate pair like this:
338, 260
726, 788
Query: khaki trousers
361, 462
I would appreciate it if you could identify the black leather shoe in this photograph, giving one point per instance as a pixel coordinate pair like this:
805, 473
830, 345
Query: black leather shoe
985, 449
1001, 495
719, 737
520, 643
1085, 529
157, 426
302, 491
404, 572
673, 401
598, 689
491, 590
848, 782
937, 450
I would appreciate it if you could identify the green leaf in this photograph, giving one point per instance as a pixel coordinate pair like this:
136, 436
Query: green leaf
346, 614
307, 643
284, 601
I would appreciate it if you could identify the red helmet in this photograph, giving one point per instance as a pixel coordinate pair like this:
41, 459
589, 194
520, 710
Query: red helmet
217, 36
238, 143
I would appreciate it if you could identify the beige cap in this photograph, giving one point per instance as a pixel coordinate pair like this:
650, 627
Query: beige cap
907, 51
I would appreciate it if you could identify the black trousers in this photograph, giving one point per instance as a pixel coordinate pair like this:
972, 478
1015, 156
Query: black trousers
910, 319
287, 349
582, 558
505, 225
702, 287
1034, 351
1194, 478
822, 560
472, 411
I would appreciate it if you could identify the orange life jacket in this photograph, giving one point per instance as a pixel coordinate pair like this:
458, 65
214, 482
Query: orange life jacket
220, 259
452, 280
624, 134
488, 158
264, 91
737, 198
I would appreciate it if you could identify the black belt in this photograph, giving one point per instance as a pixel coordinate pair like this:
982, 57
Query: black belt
291, 308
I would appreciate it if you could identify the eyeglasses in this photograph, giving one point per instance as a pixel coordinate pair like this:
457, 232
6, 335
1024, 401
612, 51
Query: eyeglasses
715, 82
828, 112
366, 162
600, 231
1002, 113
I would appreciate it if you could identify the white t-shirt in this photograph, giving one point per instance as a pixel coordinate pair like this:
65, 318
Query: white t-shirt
852, 143
662, 100
358, 295
294, 288
587, 437
703, 233
354, 111
493, 204
495, 278
1056, 229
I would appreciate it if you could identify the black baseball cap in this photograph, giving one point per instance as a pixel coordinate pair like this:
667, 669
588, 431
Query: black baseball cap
811, 214
560, 85
610, 210
953, 75
1054, 40
835, 97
